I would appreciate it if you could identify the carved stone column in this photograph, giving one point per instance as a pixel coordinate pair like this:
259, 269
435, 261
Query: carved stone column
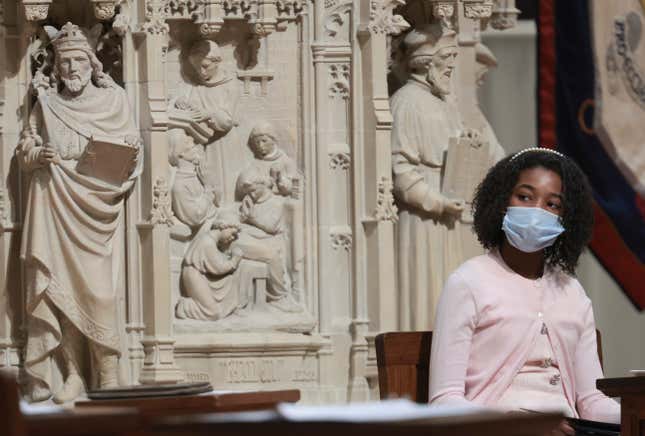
332, 58
13, 79
375, 301
158, 342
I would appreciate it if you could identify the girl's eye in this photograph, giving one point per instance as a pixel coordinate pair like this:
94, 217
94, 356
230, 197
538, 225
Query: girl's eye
523, 197
554, 205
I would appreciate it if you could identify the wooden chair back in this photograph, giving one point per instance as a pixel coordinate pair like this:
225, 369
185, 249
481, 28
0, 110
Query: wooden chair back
12, 422
403, 360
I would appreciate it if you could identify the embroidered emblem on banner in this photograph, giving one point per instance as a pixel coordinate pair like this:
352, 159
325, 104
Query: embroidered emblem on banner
621, 57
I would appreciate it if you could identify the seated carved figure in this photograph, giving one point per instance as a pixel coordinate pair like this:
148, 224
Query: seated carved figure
262, 239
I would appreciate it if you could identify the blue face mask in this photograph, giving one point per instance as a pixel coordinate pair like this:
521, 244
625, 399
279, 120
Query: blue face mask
531, 229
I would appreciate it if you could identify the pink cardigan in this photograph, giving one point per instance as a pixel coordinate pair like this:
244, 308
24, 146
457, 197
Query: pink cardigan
489, 317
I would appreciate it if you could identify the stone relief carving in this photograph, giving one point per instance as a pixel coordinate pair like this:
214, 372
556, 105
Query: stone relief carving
36, 11
4, 206
386, 210
2, 106
478, 9
81, 151
161, 212
104, 10
289, 9
121, 22
340, 160
341, 238
383, 20
337, 20
444, 11
185, 9
237, 263
156, 14
237, 268
330, 3
340, 80
209, 100
504, 15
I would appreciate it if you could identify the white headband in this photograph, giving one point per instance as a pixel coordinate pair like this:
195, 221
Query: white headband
546, 150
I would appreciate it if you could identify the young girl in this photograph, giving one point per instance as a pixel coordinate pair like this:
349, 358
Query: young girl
514, 328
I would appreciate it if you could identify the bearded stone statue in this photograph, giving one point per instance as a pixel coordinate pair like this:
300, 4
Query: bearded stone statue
424, 120
72, 246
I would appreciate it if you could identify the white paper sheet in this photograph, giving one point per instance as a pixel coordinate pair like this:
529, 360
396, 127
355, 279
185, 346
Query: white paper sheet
378, 411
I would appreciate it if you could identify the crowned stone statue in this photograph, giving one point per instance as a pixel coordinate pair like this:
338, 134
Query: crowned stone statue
81, 150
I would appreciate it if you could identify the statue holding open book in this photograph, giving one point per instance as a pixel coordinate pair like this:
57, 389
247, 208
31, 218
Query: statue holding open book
82, 153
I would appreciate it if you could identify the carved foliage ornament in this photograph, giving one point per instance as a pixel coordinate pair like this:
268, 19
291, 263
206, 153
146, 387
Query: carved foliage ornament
382, 19
4, 214
340, 80
161, 212
444, 11
36, 11
386, 210
341, 238
336, 19
289, 8
104, 10
184, 9
478, 9
339, 161
156, 14
504, 15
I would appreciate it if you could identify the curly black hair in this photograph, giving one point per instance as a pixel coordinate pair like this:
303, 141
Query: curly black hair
494, 192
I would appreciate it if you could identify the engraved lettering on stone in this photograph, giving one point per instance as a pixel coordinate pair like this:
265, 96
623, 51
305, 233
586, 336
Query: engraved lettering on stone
306, 372
197, 377
251, 371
